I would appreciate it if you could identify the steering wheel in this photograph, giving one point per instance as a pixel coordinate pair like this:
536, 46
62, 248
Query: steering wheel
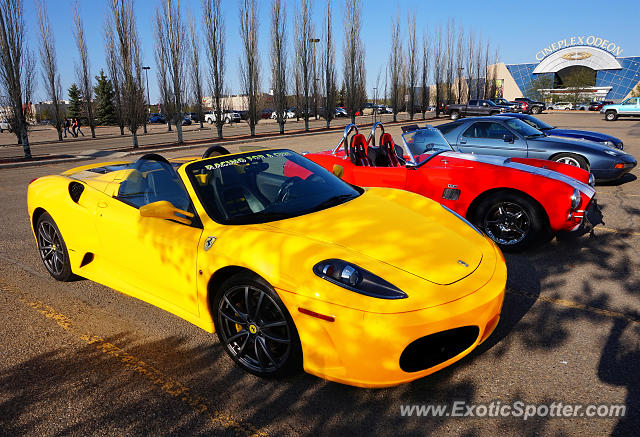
283, 192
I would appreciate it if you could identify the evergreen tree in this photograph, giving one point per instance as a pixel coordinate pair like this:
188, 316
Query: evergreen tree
105, 111
75, 105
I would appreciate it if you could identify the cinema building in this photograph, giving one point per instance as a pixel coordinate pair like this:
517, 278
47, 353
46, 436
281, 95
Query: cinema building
608, 74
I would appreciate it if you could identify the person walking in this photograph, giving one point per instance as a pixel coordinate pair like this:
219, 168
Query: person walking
66, 125
76, 123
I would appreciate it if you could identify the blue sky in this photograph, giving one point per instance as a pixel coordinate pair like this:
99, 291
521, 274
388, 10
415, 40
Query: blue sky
518, 29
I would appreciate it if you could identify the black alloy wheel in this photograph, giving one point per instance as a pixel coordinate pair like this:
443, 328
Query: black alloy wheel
255, 327
53, 249
511, 220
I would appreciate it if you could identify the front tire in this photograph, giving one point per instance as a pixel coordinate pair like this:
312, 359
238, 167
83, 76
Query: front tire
52, 248
454, 115
255, 327
511, 220
536, 110
611, 116
210, 120
571, 159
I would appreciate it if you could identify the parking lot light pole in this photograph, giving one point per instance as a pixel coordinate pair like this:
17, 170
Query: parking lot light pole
315, 86
375, 106
146, 69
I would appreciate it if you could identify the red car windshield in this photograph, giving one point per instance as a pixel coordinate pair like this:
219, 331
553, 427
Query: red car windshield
425, 142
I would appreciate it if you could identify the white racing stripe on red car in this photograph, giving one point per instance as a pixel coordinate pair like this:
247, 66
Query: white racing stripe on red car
506, 162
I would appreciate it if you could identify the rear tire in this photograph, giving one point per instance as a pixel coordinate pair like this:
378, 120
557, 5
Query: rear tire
454, 115
210, 120
52, 248
611, 116
536, 110
511, 220
255, 327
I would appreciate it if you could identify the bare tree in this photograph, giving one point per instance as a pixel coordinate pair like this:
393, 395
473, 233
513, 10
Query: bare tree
128, 64
478, 66
395, 67
438, 67
304, 30
250, 64
162, 61
449, 53
412, 70
114, 73
17, 69
196, 76
459, 61
424, 79
279, 61
328, 65
50, 75
353, 58
215, 40
485, 91
470, 48
174, 43
83, 70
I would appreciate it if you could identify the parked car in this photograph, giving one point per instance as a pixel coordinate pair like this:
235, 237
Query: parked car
287, 114
193, 116
5, 126
530, 106
596, 106
500, 101
237, 245
511, 137
369, 108
509, 200
604, 139
156, 118
563, 106
228, 117
187, 120
584, 106
266, 113
340, 112
474, 107
629, 108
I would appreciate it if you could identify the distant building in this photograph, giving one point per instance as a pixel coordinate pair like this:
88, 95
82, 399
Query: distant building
613, 76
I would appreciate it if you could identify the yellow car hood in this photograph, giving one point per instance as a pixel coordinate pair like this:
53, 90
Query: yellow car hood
405, 230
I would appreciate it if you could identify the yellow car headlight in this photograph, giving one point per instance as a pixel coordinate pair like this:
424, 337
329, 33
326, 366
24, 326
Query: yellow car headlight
357, 279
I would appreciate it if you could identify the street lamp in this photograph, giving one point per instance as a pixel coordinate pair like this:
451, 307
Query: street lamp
146, 69
375, 106
315, 86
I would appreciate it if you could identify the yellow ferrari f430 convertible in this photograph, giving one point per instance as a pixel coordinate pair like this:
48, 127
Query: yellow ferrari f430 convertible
289, 265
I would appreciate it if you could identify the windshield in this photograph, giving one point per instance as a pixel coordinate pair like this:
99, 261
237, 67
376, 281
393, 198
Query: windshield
425, 142
523, 128
535, 123
258, 187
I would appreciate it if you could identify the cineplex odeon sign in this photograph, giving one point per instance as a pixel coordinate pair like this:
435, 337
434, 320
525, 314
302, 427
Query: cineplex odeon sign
590, 40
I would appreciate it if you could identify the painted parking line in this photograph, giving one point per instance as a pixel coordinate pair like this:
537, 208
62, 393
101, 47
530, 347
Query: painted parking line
168, 385
617, 231
578, 306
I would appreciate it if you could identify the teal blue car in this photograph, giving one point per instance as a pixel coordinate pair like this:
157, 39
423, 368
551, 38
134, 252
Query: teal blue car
628, 108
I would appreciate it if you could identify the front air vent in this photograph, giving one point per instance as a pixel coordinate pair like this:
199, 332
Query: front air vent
437, 348
75, 191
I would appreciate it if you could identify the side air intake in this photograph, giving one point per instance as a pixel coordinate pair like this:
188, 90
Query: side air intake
75, 191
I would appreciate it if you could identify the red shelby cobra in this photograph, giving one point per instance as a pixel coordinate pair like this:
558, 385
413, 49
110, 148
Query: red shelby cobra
515, 201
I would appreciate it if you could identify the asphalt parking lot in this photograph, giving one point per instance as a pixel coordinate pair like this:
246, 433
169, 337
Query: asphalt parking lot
79, 358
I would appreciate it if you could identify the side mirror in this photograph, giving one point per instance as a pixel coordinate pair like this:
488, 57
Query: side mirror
508, 138
338, 170
165, 210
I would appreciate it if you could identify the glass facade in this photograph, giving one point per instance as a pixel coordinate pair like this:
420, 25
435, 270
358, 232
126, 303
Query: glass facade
621, 81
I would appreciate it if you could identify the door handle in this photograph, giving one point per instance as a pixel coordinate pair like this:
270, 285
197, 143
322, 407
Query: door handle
102, 204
